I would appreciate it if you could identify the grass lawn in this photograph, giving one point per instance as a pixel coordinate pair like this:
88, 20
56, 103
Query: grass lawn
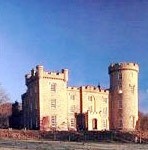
60, 145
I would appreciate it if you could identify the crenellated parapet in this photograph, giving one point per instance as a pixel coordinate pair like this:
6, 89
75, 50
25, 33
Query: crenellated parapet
39, 73
123, 66
90, 88
69, 88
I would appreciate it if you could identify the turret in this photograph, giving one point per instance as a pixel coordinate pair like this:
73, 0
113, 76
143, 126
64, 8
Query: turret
123, 95
39, 69
65, 71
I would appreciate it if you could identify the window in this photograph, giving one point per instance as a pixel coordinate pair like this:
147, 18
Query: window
72, 122
120, 123
120, 85
132, 88
104, 100
53, 87
104, 123
105, 110
90, 98
72, 97
133, 121
132, 118
53, 121
90, 103
90, 108
72, 108
120, 104
53, 103
119, 75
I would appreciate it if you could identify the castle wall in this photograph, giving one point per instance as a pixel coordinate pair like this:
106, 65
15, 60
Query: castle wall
73, 103
31, 102
53, 101
95, 102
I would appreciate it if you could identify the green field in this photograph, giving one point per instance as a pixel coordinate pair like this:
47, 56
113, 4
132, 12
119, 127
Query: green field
58, 145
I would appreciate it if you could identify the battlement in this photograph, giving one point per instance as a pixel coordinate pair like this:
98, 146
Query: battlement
73, 88
39, 72
94, 89
123, 66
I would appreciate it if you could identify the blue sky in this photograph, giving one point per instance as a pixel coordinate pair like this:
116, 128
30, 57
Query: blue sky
84, 36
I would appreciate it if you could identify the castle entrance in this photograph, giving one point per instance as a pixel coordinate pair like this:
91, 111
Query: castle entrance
94, 123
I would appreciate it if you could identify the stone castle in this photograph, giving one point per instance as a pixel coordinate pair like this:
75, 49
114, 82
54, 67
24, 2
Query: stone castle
50, 104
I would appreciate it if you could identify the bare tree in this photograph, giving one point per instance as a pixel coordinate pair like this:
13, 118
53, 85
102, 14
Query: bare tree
4, 106
3, 96
142, 123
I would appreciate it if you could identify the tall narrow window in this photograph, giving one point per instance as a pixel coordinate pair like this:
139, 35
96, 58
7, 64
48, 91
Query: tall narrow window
53, 103
72, 97
53, 87
53, 121
120, 123
105, 110
72, 122
133, 122
120, 104
104, 123
119, 75
120, 85
90, 108
92, 103
72, 108
104, 99
132, 88
90, 98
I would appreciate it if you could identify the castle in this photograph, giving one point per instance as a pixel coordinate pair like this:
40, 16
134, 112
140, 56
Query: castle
50, 104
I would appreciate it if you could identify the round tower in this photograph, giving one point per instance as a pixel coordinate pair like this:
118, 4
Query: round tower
123, 95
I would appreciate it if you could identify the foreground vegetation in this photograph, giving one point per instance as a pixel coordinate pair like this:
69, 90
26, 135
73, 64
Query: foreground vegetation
84, 136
